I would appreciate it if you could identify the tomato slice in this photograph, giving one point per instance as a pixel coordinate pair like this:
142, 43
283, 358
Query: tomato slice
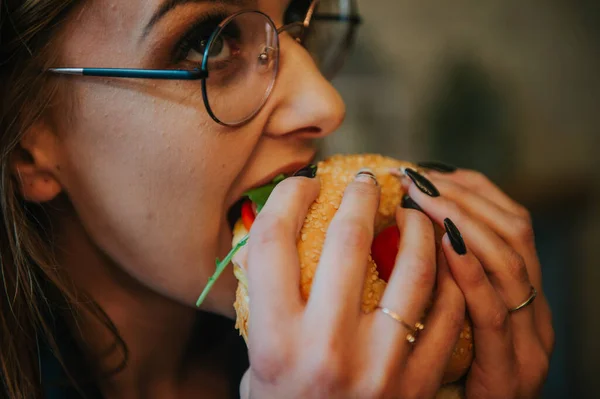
248, 214
384, 250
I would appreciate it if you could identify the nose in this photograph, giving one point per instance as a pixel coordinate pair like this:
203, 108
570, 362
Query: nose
302, 101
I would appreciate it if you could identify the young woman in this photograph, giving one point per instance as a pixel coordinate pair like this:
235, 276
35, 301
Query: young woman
115, 190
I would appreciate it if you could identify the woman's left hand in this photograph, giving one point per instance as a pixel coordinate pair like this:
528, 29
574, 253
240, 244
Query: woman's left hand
496, 268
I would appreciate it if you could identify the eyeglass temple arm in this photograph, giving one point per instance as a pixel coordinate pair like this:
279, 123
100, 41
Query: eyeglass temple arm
168, 74
354, 19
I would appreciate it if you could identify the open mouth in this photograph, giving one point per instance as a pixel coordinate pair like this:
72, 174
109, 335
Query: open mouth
245, 209
235, 212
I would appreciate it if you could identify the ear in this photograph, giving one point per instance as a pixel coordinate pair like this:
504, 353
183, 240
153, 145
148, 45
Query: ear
35, 164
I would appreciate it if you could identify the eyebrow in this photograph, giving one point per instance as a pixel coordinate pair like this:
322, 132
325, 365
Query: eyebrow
169, 5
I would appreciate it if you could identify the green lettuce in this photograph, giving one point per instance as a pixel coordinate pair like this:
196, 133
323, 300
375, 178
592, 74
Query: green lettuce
259, 196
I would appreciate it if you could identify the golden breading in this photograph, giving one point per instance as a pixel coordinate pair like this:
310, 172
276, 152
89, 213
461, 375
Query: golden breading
335, 173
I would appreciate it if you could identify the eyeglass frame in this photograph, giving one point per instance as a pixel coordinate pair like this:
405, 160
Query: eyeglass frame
202, 73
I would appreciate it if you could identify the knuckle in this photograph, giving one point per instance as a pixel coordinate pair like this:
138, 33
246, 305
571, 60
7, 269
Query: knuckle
352, 233
294, 188
498, 320
452, 189
534, 368
515, 266
522, 212
269, 361
425, 224
268, 228
475, 177
523, 230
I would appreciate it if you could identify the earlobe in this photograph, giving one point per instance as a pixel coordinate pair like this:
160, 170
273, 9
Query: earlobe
34, 165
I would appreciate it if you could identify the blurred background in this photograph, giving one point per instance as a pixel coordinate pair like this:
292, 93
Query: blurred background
511, 88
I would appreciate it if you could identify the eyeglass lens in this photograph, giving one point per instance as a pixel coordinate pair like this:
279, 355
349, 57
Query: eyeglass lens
242, 63
327, 39
242, 60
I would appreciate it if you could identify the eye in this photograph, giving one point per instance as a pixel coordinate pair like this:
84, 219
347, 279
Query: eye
223, 47
220, 50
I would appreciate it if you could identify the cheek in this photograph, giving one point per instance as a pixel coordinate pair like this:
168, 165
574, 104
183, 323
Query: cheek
147, 183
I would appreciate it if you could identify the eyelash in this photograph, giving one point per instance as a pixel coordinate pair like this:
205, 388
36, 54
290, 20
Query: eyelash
200, 30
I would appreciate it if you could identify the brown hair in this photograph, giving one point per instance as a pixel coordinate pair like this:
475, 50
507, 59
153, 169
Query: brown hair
33, 292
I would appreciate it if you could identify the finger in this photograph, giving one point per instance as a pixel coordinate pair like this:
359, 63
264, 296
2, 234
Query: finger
513, 229
443, 327
543, 317
504, 265
273, 265
480, 184
410, 286
494, 351
338, 284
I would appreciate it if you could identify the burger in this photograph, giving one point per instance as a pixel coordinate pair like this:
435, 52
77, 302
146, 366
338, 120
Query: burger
335, 173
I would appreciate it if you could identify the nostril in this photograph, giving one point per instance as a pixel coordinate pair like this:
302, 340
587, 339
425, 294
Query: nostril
311, 130
305, 132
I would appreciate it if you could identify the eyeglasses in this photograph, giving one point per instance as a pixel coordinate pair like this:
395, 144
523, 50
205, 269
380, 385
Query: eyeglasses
239, 62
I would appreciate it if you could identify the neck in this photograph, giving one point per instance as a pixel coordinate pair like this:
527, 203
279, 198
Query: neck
156, 330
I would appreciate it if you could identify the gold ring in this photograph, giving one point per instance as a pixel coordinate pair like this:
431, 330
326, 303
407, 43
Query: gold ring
412, 335
528, 301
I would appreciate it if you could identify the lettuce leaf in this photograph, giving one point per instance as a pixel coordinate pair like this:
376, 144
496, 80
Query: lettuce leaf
220, 267
260, 195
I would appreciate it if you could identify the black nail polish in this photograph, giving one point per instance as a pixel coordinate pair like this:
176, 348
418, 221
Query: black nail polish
409, 203
422, 183
438, 166
455, 237
309, 171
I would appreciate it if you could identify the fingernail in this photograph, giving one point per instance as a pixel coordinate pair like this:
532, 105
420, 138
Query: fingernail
409, 203
366, 175
438, 166
455, 237
422, 183
309, 171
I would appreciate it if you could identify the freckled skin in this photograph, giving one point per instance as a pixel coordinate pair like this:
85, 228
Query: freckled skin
150, 176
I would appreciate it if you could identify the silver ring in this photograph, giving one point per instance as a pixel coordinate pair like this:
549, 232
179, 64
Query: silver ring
411, 337
527, 302
369, 173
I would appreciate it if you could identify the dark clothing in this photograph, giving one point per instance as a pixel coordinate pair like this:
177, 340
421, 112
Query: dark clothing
56, 384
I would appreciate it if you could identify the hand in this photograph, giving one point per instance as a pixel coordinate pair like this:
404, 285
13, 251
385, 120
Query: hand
327, 347
496, 273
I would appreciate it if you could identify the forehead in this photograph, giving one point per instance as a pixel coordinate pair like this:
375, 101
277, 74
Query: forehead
106, 26
138, 13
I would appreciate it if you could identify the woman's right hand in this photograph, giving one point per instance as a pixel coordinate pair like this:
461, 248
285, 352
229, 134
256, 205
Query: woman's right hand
328, 348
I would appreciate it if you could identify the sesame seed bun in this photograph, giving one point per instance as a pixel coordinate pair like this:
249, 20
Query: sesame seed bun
335, 173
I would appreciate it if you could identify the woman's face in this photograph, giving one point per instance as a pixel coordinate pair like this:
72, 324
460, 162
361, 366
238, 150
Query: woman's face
150, 175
